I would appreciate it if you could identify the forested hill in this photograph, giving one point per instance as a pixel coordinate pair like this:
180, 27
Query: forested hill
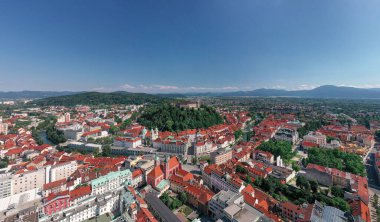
167, 117
98, 98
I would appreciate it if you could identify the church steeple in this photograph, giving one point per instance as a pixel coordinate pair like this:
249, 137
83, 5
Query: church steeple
167, 167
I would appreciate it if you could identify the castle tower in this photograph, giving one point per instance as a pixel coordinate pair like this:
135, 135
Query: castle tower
167, 167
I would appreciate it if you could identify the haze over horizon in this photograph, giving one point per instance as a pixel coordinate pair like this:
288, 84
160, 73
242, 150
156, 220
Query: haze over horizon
188, 46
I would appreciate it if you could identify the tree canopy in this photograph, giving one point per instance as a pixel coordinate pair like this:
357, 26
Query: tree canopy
279, 148
54, 135
334, 158
97, 98
167, 117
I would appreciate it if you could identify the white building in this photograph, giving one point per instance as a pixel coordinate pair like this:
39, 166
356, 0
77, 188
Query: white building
73, 132
60, 171
3, 127
127, 142
65, 118
171, 146
201, 148
88, 208
316, 137
111, 181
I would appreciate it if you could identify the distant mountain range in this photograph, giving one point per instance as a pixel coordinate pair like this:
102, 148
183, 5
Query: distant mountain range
33, 94
327, 91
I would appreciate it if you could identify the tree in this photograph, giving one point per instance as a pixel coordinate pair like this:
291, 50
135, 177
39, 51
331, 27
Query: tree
341, 204
241, 169
335, 158
238, 134
279, 148
337, 192
118, 119
113, 130
54, 135
36, 136
168, 117
183, 197
165, 198
302, 183
313, 186
4, 162
175, 203
106, 150
296, 167
249, 180
310, 126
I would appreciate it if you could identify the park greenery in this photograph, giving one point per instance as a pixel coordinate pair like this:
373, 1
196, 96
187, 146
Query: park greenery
334, 158
172, 203
36, 136
167, 117
307, 192
48, 126
4, 162
310, 126
279, 148
238, 134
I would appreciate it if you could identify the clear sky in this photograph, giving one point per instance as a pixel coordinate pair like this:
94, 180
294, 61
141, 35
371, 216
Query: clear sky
188, 45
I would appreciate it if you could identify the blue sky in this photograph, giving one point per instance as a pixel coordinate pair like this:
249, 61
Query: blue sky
180, 45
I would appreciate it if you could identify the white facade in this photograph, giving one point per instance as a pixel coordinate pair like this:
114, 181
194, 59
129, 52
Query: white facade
204, 148
61, 171
315, 137
127, 142
28, 181
172, 147
111, 181
88, 208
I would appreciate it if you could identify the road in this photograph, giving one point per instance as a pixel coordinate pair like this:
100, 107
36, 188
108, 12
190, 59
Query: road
373, 181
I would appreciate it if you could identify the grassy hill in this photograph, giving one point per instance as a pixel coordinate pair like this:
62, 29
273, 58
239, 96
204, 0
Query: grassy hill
98, 98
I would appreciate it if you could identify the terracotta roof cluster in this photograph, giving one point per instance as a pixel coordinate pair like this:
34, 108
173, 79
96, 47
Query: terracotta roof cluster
80, 192
359, 184
260, 200
54, 184
359, 208
52, 196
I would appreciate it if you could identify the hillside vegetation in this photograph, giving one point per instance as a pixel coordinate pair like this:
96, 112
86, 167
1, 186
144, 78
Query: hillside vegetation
97, 98
167, 117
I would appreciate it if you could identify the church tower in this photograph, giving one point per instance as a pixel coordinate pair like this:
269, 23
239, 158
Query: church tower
167, 158
156, 160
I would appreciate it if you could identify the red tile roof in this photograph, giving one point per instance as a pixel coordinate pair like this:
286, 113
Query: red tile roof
80, 192
51, 185
156, 173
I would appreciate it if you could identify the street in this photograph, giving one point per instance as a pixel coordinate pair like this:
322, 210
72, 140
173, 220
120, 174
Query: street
373, 181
